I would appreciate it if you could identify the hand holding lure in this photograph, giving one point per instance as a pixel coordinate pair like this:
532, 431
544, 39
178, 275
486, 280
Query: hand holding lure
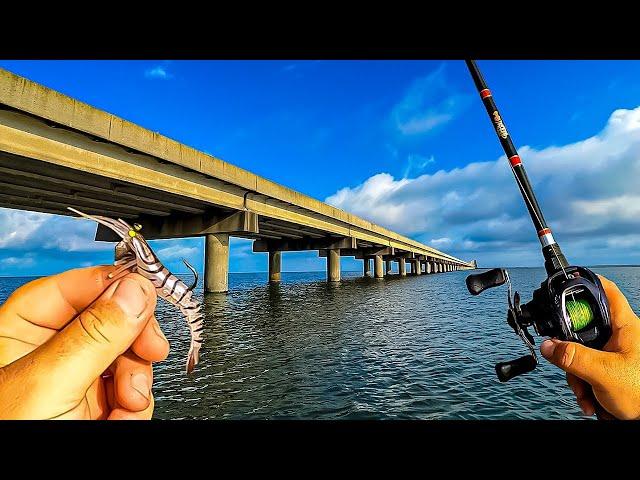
570, 304
134, 254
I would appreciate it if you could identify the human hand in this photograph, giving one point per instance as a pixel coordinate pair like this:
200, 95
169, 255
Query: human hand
79, 345
610, 378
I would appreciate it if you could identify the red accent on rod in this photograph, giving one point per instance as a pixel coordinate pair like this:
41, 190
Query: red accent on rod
485, 93
515, 160
544, 231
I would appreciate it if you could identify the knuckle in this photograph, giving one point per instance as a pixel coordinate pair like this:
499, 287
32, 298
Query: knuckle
92, 327
99, 322
565, 354
146, 285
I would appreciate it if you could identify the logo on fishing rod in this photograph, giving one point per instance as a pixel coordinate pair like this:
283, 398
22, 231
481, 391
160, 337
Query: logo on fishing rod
500, 128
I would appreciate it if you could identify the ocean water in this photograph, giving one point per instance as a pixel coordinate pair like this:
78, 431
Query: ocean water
398, 348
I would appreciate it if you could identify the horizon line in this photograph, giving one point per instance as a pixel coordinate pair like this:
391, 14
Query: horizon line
323, 271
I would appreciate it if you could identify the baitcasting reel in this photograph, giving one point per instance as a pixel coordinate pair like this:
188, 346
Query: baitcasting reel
569, 305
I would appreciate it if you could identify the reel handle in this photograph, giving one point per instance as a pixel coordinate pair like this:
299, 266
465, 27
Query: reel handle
479, 282
507, 370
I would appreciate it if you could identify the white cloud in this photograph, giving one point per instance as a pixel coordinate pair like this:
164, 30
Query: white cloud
443, 242
159, 72
588, 190
177, 251
417, 163
18, 226
24, 261
22, 230
427, 104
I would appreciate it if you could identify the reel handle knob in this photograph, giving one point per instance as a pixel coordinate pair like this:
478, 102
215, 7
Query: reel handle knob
479, 282
507, 370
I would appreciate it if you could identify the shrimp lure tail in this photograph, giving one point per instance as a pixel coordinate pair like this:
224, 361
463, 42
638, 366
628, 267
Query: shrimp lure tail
193, 359
196, 326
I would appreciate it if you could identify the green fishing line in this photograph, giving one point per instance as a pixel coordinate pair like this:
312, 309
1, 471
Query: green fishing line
580, 313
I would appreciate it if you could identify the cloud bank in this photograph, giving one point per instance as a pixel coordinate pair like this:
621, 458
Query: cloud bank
588, 190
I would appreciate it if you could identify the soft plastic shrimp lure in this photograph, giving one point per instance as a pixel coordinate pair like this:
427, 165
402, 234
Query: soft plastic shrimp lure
134, 253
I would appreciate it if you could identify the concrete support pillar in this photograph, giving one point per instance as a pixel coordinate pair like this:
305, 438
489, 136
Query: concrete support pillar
377, 266
367, 267
417, 267
333, 265
428, 267
275, 265
387, 267
402, 267
216, 262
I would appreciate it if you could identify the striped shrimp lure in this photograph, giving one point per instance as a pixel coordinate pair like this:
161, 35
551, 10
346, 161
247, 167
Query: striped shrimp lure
133, 253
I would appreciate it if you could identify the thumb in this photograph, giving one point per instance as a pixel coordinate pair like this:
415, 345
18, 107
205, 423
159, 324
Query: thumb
72, 360
593, 366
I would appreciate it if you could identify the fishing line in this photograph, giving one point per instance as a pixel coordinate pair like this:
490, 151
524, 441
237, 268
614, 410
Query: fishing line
580, 313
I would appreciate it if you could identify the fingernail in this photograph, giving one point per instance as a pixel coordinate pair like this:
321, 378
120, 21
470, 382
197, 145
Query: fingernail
546, 348
140, 384
130, 297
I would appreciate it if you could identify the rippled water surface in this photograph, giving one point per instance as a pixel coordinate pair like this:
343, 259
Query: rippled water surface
413, 347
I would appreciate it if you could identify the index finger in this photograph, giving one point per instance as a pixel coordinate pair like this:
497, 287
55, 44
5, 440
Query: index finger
52, 302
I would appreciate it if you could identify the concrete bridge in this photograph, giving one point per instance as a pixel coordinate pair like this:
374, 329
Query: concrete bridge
57, 152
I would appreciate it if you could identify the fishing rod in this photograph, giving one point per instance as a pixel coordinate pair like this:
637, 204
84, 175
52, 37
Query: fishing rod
570, 304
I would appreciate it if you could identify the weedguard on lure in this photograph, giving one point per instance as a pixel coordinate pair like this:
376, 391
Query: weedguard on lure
570, 304
134, 254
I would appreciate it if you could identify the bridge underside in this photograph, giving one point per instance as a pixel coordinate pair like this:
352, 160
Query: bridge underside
103, 165
33, 185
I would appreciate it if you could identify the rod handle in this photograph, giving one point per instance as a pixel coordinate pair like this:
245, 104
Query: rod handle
507, 370
479, 282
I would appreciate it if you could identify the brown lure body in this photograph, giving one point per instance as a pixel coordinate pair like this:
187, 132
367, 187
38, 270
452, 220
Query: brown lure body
134, 254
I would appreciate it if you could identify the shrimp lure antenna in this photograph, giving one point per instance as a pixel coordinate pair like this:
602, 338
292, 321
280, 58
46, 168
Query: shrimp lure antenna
570, 304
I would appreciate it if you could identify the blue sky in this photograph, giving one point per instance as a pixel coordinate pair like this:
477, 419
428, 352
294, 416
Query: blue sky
406, 144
